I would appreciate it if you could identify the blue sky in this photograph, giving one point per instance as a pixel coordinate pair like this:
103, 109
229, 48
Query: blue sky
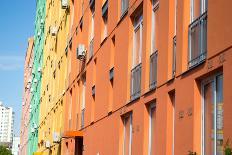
16, 25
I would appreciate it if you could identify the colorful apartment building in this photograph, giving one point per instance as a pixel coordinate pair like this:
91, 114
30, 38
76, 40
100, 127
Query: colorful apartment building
26, 97
134, 77
35, 90
54, 80
148, 77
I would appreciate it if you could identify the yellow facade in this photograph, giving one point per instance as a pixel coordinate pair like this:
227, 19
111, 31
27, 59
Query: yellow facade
55, 71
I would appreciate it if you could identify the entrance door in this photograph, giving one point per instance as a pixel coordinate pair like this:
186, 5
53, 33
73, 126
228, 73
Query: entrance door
78, 146
212, 116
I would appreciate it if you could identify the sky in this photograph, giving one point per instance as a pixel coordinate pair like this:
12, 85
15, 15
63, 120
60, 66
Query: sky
16, 26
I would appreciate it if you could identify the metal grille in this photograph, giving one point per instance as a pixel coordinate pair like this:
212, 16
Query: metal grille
198, 40
153, 70
136, 81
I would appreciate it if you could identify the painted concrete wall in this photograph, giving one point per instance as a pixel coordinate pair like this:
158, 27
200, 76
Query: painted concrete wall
64, 78
37, 75
54, 80
103, 125
26, 97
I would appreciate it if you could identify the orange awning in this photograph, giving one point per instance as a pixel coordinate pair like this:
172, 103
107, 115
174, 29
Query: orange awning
72, 134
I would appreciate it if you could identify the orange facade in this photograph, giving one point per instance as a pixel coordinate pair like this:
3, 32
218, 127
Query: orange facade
157, 81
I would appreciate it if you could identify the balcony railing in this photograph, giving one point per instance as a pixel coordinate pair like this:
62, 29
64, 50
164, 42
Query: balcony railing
174, 57
136, 81
198, 40
153, 70
91, 48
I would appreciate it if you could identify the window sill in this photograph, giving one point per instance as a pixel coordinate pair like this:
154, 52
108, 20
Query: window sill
133, 100
193, 67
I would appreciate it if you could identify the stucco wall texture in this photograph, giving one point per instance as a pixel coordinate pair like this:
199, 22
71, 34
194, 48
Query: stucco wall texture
87, 108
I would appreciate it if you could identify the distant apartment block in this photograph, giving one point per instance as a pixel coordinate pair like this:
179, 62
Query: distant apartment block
15, 145
6, 125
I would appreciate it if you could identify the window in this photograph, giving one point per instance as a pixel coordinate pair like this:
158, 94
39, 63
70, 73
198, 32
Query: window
174, 42
83, 102
105, 19
127, 122
154, 54
172, 117
137, 56
154, 20
92, 8
124, 6
152, 123
212, 116
197, 32
138, 35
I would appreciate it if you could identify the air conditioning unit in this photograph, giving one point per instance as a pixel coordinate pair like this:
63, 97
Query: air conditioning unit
47, 144
53, 30
35, 81
56, 137
30, 80
30, 109
35, 126
32, 130
28, 86
81, 51
64, 4
30, 66
32, 90
39, 69
23, 103
63, 92
38, 34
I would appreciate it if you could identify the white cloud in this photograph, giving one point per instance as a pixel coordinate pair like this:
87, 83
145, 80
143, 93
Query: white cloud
11, 63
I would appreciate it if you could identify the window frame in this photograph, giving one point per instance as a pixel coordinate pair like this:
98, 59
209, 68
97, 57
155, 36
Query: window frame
129, 116
153, 105
203, 8
155, 6
138, 26
123, 6
213, 80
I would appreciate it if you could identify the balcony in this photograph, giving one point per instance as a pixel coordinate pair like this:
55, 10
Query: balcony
91, 48
198, 41
136, 82
153, 71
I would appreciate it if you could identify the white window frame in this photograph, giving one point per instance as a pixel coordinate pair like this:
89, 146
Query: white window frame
124, 135
155, 7
137, 26
203, 9
212, 79
173, 125
123, 6
153, 105
92, 26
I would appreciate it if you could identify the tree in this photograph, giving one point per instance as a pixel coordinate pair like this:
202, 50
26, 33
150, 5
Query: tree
4, 151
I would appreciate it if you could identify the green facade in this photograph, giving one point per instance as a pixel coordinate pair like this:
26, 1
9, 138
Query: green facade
36, 76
